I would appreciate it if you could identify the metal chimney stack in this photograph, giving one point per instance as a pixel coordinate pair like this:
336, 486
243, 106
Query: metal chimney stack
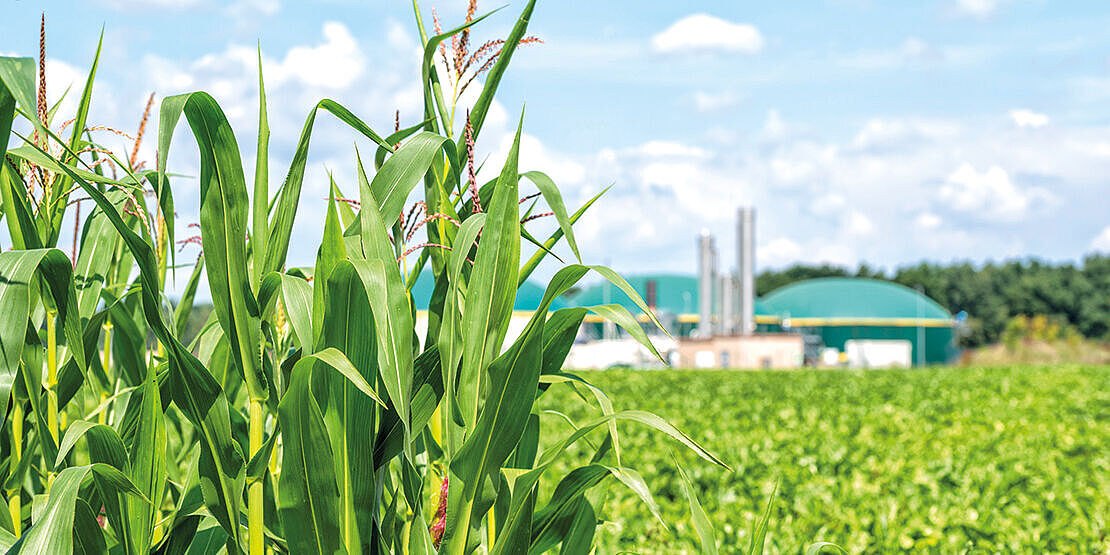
707, 270
745, 246
727, 318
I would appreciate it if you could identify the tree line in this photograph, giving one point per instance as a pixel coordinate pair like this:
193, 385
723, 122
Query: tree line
992, 293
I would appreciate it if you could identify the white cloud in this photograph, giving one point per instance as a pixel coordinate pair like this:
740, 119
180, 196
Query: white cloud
712, 102
830, 203
334, 64
990, 195
702, 32
927, 221
779, 251
774, 127
658, 149
915, 47
977, 8
243, 9
1101, 242
897, 190
857, 223
881, 134
128, 5
1028, 118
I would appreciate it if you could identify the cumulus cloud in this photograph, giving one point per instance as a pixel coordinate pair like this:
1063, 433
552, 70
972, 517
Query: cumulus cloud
1101, 242
897, 190
927, 221
334, 64
977, 8
1028, 118
886, 135
712, 102
779, 251
829, 203
857, 223
989, 195
705, 33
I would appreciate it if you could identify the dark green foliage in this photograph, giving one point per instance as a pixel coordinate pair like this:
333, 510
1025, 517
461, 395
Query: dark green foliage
1004, 460
992, 294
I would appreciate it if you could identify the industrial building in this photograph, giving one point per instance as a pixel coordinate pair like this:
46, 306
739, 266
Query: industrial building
892, 324
716, 321
713, 319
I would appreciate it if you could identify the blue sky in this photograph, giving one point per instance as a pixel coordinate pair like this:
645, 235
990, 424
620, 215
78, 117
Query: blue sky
885, 132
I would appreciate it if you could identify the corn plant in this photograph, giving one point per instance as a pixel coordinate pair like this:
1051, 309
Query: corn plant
308, 415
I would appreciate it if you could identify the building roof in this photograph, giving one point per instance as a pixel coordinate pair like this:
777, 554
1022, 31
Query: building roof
674, 293
528, 296
854, 301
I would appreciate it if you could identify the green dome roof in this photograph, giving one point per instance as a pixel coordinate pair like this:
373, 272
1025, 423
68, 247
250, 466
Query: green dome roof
674, 293
852, 299
528, 296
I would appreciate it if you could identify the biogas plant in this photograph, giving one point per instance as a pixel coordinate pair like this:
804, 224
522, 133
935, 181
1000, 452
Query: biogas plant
715, 320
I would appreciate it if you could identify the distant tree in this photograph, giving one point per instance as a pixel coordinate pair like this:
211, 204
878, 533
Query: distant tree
769, 280
992, 295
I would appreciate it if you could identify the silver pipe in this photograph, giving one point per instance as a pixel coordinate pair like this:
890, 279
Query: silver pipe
707, 261
745, 245
728, 304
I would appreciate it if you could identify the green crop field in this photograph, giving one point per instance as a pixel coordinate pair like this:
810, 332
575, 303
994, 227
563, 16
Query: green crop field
942, 460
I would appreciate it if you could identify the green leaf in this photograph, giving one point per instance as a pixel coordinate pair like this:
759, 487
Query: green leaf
195, 391
702, 525
223, 227
52, 533
554, 200
552, 522
17, 271
331, 251
281, 224
347, 328
491, 294
260, 230
99, 242
296, 295
450, 339
759, 534
824, 547
88, 536
184, 307
62, 184
148, 463
580, 534
530, 266
336, 359
389, 302
308, 498
402, 171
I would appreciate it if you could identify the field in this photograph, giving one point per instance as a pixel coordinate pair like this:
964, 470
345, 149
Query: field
945, 460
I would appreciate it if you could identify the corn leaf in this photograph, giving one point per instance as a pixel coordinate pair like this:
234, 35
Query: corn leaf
308, 498
490, 297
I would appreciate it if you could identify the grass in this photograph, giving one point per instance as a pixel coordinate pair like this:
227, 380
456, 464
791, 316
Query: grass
1008, 459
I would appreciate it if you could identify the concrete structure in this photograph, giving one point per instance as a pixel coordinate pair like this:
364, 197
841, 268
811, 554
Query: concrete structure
745, 260
839, 310
677, 301
707, 278
742, 351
